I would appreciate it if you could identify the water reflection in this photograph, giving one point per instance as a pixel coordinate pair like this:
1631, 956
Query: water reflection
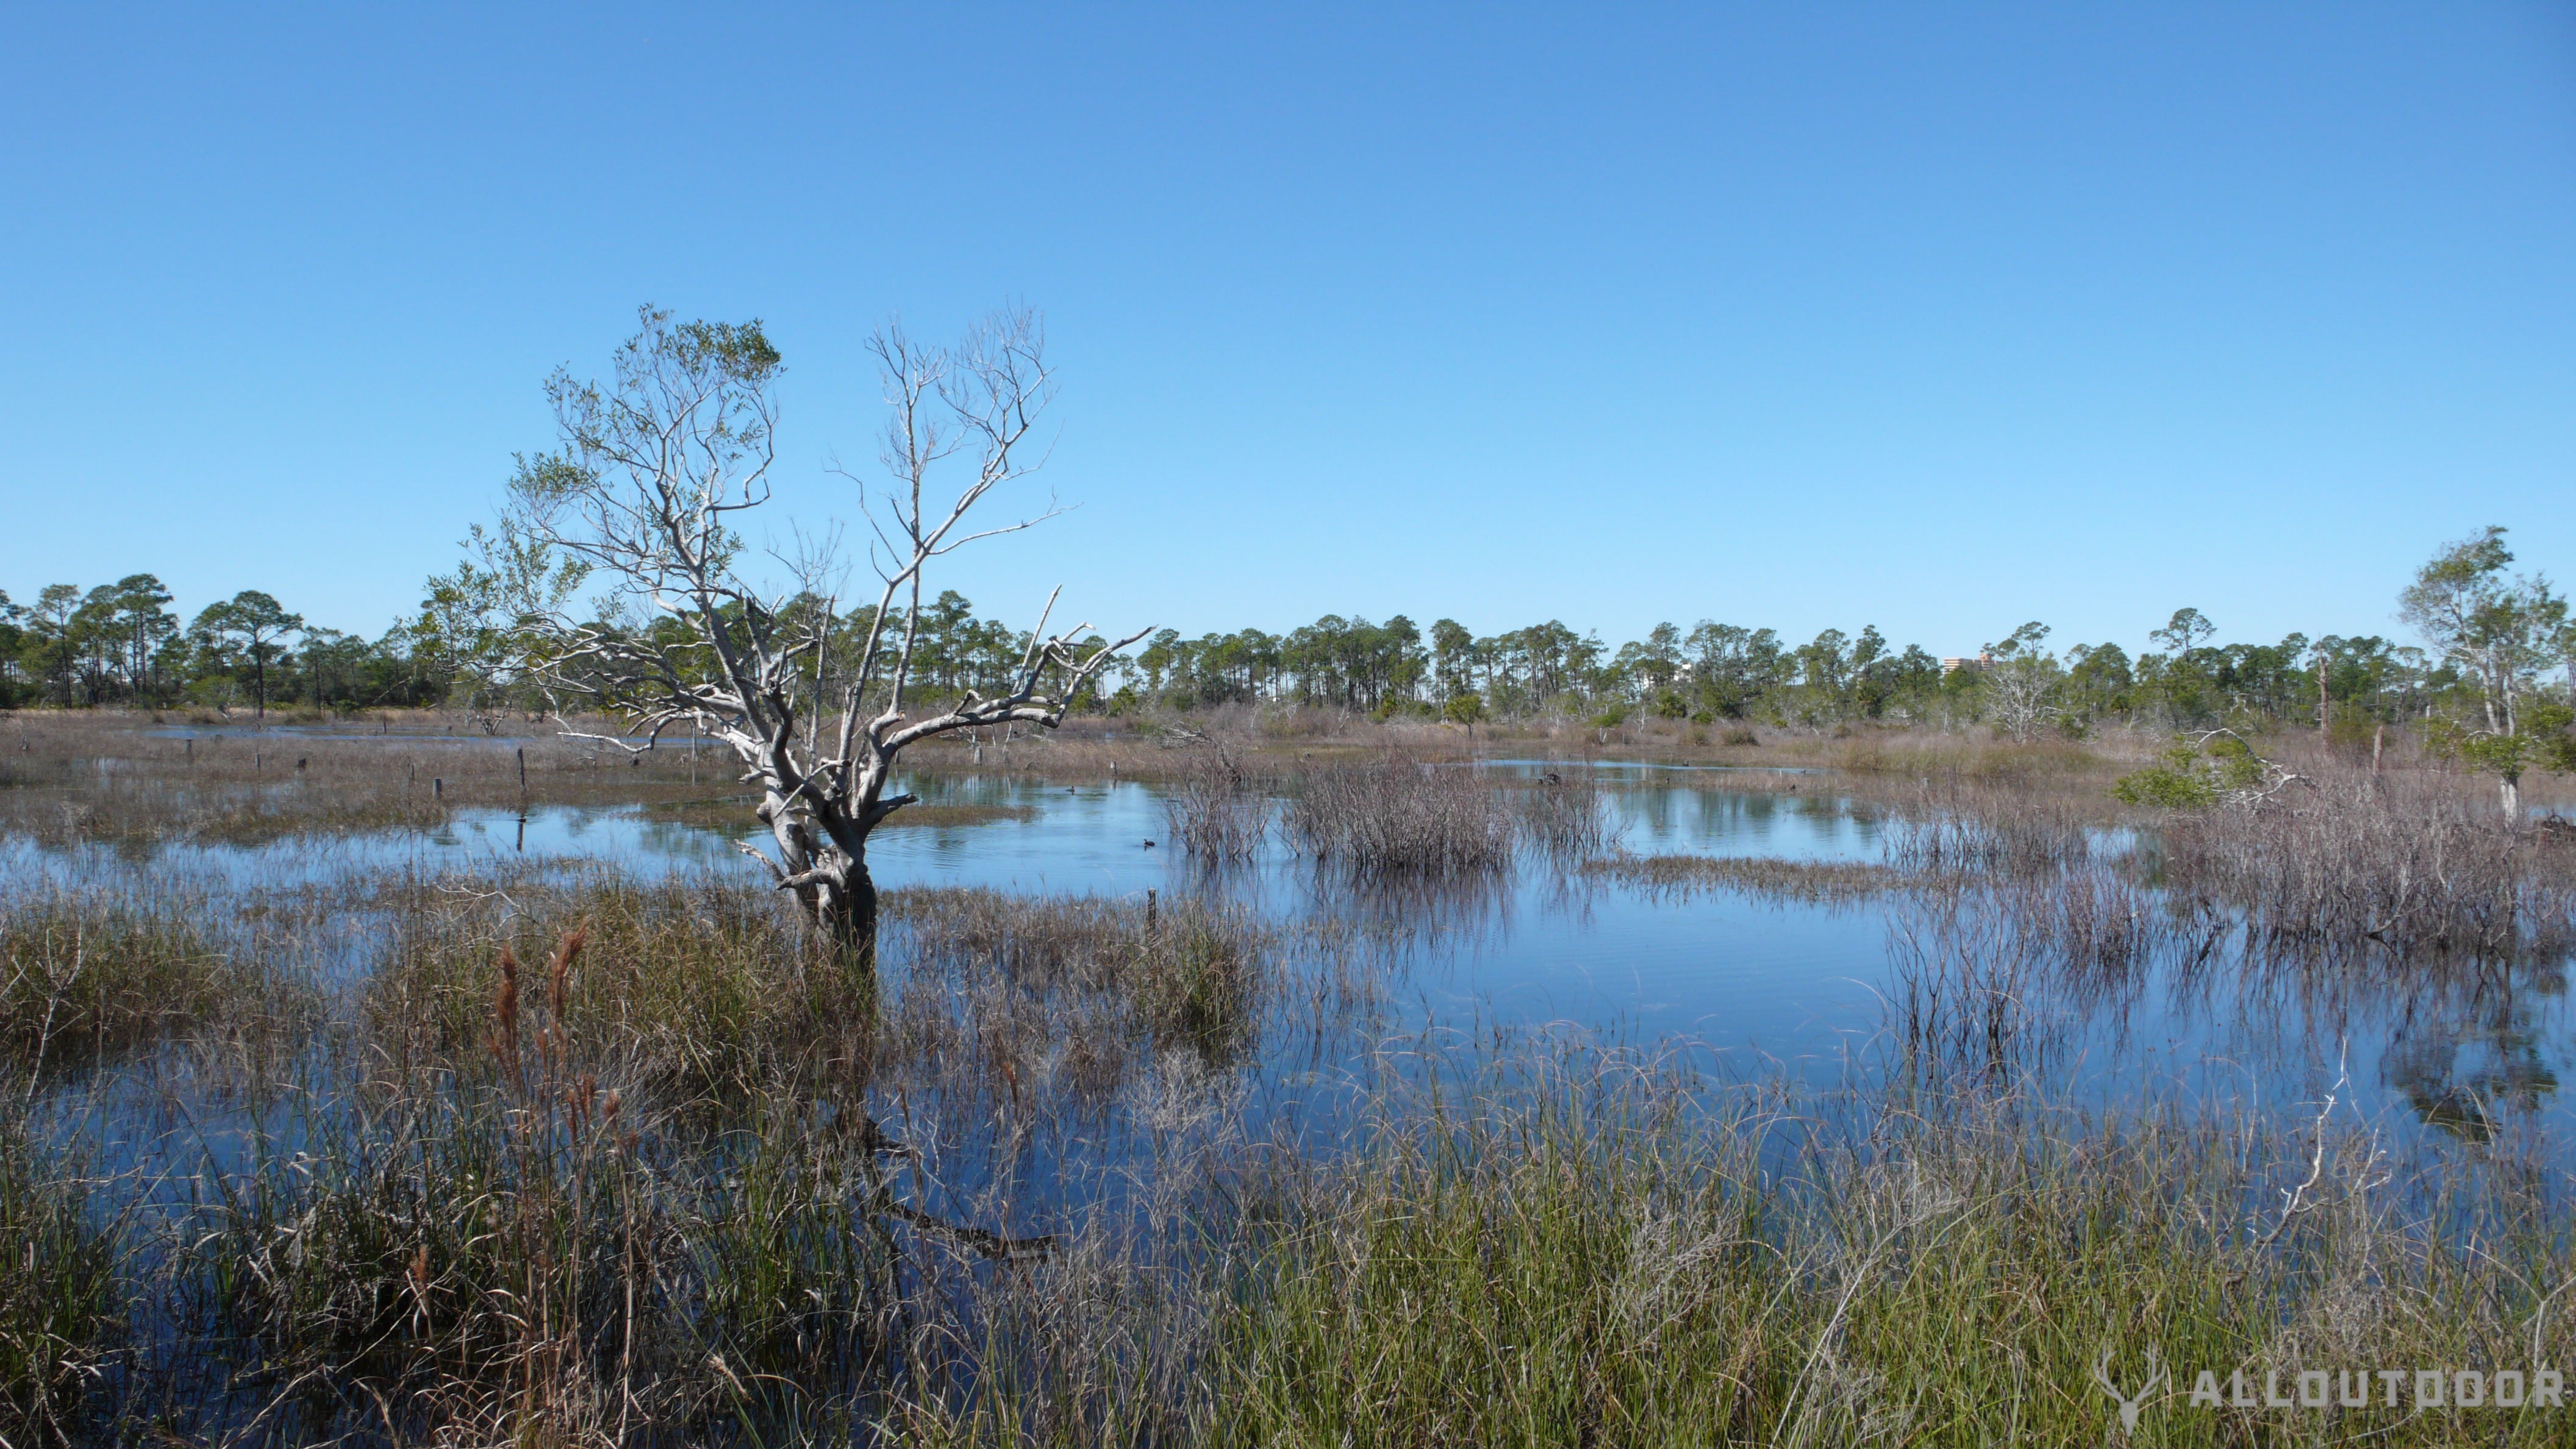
2087, 982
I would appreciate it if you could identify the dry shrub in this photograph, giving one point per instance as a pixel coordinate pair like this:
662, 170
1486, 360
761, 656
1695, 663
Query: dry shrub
1394, 814
1218, 812
2411, 861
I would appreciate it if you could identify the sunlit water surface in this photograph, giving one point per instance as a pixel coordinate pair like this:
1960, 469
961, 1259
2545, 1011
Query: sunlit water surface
1766, 988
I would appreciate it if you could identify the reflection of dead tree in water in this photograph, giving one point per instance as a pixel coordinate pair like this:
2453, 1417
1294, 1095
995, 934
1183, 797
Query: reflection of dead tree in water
643, 498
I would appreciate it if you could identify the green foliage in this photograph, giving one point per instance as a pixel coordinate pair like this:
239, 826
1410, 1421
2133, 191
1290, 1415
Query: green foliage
2194, 775
59, 1301
1582, 1263
2540, 741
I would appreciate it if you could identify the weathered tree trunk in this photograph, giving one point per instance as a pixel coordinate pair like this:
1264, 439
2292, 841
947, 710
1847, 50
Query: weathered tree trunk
846, 911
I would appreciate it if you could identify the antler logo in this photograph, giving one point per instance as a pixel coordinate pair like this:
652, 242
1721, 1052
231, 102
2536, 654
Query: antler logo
2130, 1403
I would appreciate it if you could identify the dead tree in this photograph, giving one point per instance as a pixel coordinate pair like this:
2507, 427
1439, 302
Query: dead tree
641, 501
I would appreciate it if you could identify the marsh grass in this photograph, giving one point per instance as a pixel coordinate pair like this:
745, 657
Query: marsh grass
518, 1251
87, 970
540, 1214
1217, 809
1980, 828
61, 1298
136, 781
1564, 814
1589, 1256
684, 985
1075, 992
1756, 875
1396, 814
1076, 1170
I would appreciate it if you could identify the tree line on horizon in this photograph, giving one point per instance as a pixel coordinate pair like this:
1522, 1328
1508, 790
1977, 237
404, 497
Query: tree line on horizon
2490, 640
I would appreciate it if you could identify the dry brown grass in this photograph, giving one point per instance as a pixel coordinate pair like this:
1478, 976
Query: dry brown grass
122, 779
1796, 880
1398, 815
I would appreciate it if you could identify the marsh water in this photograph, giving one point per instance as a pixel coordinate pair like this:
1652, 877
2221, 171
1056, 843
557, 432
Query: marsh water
2443, 1056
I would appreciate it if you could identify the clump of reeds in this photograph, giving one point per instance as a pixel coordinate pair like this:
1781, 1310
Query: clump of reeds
1218, 811
1760, 875
1961, 827
686, 984
2410, 862
1564, 814
1969, 981
82, 970
1395, 814
1072, 989
60, 1299
526, 1256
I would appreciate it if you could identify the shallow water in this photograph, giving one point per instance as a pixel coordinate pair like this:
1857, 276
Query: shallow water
1770, 987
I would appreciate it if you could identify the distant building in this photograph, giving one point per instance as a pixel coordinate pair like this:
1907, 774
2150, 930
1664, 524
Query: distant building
1954, 664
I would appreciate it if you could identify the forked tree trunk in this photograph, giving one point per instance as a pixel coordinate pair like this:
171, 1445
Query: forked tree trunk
847, 915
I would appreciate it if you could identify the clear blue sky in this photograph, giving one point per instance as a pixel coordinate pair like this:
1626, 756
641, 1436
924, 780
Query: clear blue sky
1934, 317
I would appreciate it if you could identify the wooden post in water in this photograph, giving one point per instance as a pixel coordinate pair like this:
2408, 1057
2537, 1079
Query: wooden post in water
523, 776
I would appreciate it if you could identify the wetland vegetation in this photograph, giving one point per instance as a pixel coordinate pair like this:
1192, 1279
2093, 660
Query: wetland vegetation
319, 1134
1357, 1036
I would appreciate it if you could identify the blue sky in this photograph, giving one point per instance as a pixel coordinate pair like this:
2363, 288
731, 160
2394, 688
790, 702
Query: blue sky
1934, 317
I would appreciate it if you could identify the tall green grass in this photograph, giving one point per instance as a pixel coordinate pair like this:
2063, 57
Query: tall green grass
61, 1300
1583, 1260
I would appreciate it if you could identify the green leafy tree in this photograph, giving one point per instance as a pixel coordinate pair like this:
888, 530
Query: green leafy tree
249, 625
2195, 774
13, 640
51, 648
2500, 632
